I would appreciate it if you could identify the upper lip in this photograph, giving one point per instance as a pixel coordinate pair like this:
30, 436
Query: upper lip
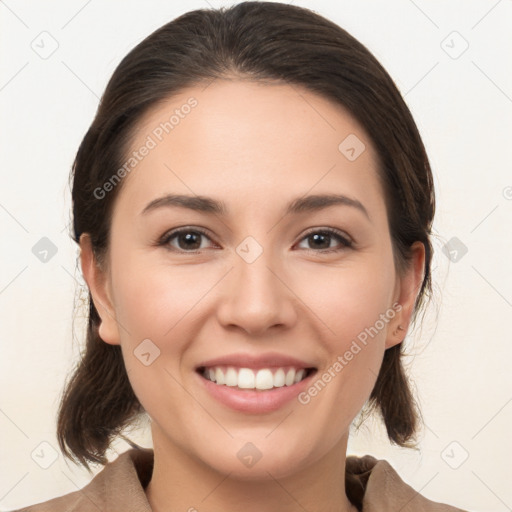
266, 360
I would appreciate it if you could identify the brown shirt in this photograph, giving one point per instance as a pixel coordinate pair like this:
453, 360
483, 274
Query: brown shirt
372, 485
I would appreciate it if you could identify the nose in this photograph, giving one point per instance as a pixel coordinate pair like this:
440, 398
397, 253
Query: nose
257, 297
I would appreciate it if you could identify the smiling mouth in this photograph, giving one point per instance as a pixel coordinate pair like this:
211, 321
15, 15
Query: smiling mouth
262, 379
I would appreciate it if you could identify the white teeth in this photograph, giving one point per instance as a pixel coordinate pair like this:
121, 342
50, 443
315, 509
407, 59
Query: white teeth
246, 378
299, 375
279, 378
231, 377
290, 377
264, 379
219, 376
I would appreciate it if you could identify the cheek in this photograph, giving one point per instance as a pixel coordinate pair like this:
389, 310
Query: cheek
350, 300
353, 309
355, 343
156, 303
154, 300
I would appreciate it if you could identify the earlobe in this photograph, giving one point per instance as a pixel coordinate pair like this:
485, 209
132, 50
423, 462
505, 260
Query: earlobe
408, 287
97, 282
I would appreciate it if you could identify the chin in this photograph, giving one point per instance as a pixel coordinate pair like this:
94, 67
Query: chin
250, 463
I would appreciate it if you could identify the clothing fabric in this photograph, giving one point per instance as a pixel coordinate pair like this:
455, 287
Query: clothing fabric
371, 484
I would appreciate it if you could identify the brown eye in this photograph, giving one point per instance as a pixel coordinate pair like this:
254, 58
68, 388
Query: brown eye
187, 240
321, 240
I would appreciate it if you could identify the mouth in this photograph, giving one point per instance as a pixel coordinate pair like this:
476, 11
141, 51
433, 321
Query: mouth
255, 383
255, 379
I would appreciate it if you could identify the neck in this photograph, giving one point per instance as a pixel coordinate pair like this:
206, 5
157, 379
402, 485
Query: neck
180, 481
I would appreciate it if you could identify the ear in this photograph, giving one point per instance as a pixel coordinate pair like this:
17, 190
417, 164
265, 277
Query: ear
406, 291
99, 286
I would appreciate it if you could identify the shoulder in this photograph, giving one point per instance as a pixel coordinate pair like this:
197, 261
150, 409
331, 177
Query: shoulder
379, 488
372, 484
118, 486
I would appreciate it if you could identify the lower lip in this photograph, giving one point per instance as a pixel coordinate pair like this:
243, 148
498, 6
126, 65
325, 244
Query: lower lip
253, 401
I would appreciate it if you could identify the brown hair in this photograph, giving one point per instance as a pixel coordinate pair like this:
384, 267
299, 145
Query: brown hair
254, 41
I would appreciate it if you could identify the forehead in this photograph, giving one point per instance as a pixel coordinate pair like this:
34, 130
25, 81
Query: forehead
250, 139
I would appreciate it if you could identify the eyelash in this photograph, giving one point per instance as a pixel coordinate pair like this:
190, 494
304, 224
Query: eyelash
345, 242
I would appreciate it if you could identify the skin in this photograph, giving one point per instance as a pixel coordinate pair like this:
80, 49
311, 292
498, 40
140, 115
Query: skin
255, 147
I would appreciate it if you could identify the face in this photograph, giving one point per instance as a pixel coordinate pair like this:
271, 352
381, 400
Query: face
262, 290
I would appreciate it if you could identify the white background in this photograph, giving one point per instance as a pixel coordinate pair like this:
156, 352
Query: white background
463, 107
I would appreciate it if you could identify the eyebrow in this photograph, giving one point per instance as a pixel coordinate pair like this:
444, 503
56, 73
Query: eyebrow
212, 206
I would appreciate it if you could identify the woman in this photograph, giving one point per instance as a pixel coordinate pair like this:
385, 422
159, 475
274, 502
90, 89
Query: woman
253, 205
